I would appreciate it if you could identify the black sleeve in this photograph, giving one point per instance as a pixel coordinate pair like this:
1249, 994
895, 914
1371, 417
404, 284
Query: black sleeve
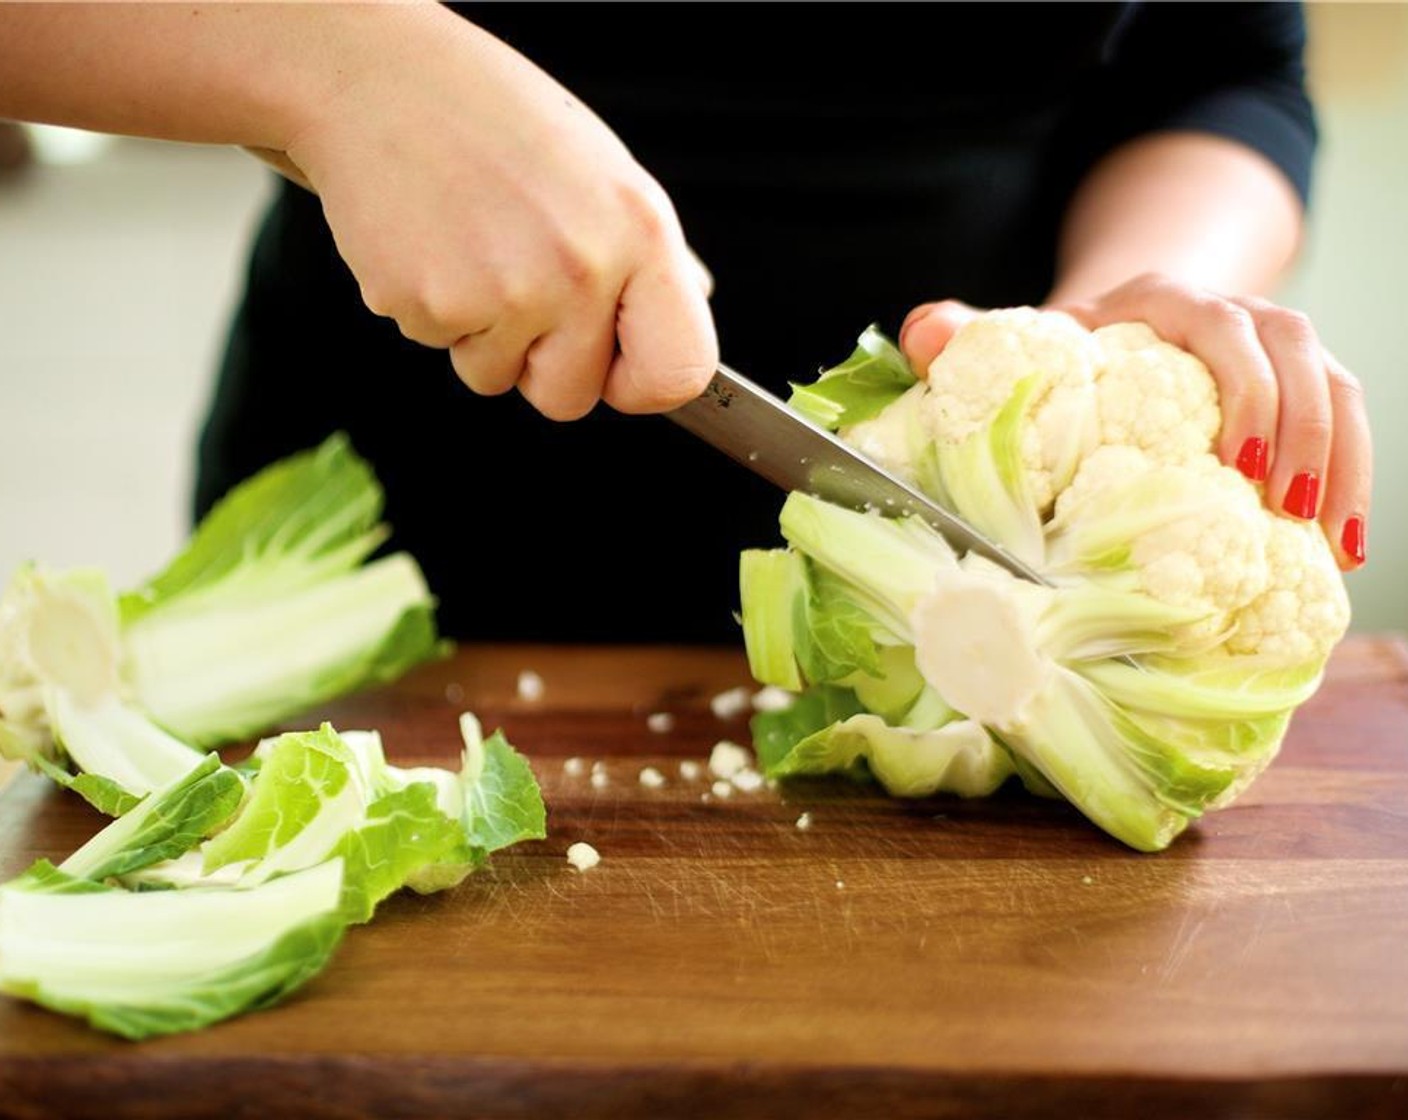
1231, 69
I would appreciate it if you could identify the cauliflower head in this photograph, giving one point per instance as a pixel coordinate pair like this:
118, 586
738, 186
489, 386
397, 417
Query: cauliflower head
1154, 674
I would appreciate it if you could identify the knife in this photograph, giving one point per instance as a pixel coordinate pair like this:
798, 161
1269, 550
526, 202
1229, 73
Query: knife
759, 431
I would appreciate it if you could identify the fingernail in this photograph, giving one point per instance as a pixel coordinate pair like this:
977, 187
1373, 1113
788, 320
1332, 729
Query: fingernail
1352, 539
1251, 460
1303, 495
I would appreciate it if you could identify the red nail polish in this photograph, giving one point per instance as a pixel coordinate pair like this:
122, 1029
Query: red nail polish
1251, 460
1303, 495
1352, 539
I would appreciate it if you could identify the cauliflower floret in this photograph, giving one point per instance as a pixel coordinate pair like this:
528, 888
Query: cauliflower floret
1194, 534
1103, 468
1154, 396
895, 437
1305, 609
977, 372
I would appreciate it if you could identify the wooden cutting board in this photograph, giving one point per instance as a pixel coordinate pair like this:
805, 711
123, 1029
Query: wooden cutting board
937, 958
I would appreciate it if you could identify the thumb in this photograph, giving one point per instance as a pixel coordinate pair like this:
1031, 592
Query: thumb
928, 328
668, 347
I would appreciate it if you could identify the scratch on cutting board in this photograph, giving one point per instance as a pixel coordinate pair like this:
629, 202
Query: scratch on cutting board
1253, 939
1189, 926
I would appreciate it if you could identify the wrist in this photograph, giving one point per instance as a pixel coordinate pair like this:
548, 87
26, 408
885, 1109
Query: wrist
336, 51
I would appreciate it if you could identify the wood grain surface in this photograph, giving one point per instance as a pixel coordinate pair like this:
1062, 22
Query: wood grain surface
897, 959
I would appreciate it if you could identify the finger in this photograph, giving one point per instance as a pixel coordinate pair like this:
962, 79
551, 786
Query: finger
566, 369
928, 328
669, 350
1349, 480
1303, 429
702, 274
491, 361
1222, 334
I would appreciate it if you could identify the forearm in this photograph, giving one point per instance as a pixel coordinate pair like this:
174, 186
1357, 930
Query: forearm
1202, 210
212, 73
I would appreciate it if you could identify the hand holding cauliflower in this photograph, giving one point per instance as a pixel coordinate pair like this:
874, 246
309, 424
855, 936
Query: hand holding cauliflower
1290, 414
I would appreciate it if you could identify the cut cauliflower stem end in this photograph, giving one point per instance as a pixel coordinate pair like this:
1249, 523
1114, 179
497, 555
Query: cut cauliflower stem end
1304, 610
57, 630
1153, 396
1192, 534
982, 365
976, 642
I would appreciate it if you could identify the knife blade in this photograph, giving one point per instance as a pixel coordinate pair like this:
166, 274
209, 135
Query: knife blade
760, 432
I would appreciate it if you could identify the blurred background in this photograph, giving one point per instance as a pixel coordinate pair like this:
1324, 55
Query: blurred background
120, 260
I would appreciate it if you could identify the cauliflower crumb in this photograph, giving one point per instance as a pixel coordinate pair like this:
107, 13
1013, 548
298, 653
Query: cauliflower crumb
772, 699
574, 766
721, 789
804, 822
660, 722
727, 759
583, 856
651, 778
530, 686
840, 884
1087, 880
734, 702
599, 779
454, 693
747, 781
690, 770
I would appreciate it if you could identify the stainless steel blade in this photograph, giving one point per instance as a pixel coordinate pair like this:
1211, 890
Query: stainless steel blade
758, 430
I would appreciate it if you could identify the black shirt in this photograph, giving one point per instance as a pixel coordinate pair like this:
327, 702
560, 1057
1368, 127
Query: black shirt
834, 165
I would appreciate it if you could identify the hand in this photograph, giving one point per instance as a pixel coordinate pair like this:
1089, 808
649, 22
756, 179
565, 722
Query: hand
1293, 416
487, 211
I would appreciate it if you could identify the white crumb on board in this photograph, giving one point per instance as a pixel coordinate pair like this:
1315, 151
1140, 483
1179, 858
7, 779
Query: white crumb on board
599, 779
691, 771
660, 722
840, 884
727, 759
454, 693
734, 702
721, 789
583, 856
772, 699
651, 778
747, 780
574, 766
804, 822
530, 686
